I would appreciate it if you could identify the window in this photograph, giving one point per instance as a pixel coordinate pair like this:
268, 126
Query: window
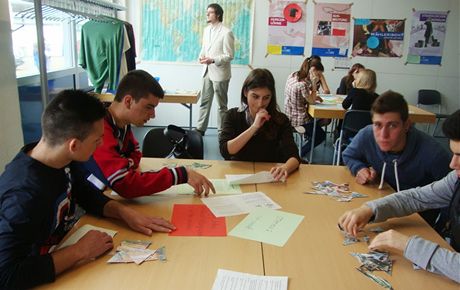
57, 31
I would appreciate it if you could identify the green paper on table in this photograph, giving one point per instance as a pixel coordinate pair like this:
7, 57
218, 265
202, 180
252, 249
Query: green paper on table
267, 226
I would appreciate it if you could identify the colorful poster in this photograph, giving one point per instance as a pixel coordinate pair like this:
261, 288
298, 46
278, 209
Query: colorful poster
378, 37
331, 29
427, 36
286, 28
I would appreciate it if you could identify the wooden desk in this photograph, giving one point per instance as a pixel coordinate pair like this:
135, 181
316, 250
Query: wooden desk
192, 261
185, 98
314, 257
416, 115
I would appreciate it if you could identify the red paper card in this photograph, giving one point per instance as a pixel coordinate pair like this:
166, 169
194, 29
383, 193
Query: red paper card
197, 220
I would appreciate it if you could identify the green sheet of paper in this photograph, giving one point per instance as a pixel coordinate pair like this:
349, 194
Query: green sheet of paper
221, 186
267, 226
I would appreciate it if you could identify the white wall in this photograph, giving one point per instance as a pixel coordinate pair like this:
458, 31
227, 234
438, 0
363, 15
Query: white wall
10, 129
392, 73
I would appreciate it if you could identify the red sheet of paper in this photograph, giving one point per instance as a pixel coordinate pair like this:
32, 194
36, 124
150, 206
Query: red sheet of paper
196, 220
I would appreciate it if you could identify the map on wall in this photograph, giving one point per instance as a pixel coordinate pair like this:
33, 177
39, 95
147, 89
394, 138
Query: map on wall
172, 30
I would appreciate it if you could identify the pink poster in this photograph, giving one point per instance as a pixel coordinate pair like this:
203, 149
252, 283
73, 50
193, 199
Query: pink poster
331, 29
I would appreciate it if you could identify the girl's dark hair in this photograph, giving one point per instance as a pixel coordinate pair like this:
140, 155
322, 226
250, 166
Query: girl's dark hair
303, 72
349, 80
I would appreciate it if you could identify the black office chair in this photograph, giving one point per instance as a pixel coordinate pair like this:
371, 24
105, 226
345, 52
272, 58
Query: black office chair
353, 121
431, 98
173, 142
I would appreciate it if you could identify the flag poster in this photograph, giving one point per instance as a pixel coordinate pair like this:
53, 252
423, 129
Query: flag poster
331, 29
378, 37
286, 28
427, 35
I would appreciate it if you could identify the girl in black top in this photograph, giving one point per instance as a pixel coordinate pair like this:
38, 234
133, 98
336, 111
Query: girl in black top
258, 131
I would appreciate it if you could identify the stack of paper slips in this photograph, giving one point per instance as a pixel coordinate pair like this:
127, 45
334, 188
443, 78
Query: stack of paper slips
135, 251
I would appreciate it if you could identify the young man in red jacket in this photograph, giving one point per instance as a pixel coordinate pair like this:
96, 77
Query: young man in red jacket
137, 96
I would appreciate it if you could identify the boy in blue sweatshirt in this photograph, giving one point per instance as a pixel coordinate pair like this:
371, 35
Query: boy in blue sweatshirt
392, 150
439, 194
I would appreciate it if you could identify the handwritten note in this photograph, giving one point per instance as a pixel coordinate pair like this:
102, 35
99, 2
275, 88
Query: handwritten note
268, 226
238, 204
196, 220
231, 280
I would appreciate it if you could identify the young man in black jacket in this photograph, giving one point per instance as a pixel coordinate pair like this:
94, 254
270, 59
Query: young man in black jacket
40, 190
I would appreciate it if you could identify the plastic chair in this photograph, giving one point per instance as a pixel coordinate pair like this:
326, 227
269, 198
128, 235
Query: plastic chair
431, 98
173, 142
353, 121
299, 137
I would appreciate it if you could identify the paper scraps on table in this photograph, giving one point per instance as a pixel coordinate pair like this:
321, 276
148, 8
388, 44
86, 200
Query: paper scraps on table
238, 204
196, 220
350, 239
198, 165
340, 192
134, 251
375, 261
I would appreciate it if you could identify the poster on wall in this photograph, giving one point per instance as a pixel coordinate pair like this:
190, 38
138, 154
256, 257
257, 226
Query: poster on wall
378, 37
286, 28
331, 29
427, 35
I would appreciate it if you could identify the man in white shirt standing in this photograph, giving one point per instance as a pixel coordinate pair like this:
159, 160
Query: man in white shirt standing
216, 54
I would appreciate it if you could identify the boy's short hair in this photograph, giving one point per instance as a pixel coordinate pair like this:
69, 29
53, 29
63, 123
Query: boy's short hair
139, 84
391, 102
451, 126
71, 114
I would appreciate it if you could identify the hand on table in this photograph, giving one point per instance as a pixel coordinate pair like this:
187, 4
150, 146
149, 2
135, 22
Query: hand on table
390, 241
93, 244
145, 224
354, 220
199, 183
366, 175
279, 172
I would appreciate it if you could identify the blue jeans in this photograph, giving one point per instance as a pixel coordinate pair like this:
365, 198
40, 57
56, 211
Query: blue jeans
320, 136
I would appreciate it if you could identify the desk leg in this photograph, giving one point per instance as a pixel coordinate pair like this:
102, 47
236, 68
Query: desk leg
190, 119
313, 141
189, 107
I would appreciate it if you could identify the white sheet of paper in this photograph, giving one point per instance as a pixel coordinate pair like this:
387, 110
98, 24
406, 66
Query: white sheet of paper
231, 280
238, 204
78, 234
259, 177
